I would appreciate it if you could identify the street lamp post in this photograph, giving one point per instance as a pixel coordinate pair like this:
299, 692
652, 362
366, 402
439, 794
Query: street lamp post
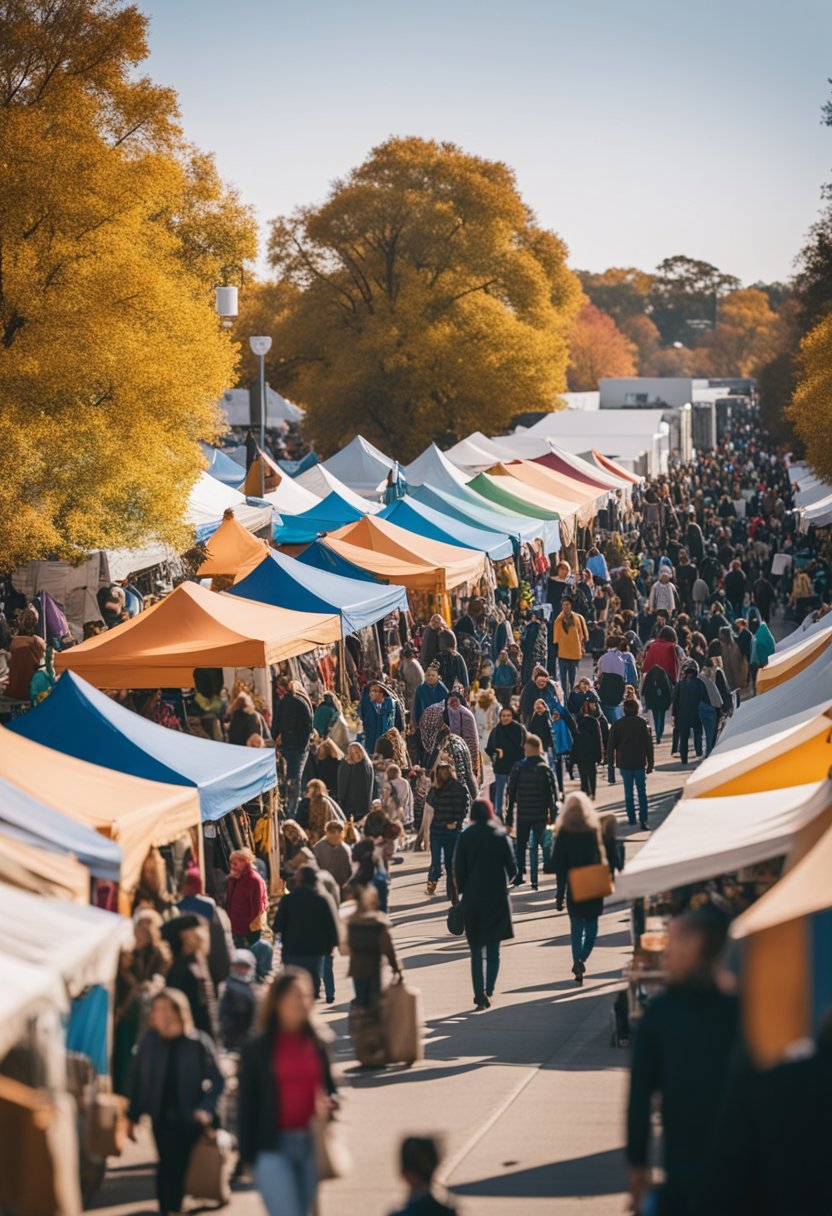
261, 347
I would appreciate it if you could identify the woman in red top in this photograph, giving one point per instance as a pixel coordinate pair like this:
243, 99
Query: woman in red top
664, 652
246, 898
285, 1082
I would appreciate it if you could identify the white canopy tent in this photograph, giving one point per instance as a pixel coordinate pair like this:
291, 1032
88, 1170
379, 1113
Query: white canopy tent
235, 403
291, 498
807, 629
25, 992
209, 499
320, 481
706, 837
434, 469
476, 453
360, 466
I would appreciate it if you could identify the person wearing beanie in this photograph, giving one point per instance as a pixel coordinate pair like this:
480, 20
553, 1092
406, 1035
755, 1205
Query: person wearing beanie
483, 866
238, 1004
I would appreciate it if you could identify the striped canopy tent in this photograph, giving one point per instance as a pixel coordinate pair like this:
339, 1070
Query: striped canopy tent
612, 466
194, 627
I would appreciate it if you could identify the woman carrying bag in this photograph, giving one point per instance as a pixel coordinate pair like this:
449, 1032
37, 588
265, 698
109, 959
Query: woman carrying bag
583, 875
177, 1082
286, 1094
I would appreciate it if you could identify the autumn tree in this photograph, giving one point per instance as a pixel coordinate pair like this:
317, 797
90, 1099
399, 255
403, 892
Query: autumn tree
748, 334
428, 301
113, 232
683, 298
811, 407
598, 349
621, 291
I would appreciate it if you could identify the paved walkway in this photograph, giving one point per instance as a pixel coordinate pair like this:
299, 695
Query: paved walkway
528, 1097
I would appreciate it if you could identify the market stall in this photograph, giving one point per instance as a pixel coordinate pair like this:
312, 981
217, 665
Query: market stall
231, 548
425, 521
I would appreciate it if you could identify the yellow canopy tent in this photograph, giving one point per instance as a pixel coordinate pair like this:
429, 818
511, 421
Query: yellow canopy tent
231, 548
784, 664
137, 814
785, 941
194, 627
32, 869
400, 556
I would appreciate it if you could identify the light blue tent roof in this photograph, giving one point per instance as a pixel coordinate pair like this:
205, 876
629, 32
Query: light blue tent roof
222, 467
288, 583
426, 521
321, 557
330, 514
470, 508
33, 822
80, 721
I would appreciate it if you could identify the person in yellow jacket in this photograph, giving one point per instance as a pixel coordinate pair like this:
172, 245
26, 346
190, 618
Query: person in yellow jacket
570, 635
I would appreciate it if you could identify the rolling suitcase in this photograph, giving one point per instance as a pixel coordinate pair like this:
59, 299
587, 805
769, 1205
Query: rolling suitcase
401, 1016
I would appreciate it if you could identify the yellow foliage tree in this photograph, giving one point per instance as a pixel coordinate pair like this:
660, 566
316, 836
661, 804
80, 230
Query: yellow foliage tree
748, 334
113, 232
811, 407
427, 301
598, 349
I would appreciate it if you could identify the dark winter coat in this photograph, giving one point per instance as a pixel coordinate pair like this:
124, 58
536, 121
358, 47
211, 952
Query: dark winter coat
631, 742
541, 725
574, 849
307, 922
533, 790
451, 803
199, 1081
687, 697
587, 746
452, 669
293, 722
355, 788
483, 864
510, 739
260, 1099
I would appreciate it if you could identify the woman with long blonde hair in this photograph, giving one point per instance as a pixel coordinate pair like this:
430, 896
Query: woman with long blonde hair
578, 843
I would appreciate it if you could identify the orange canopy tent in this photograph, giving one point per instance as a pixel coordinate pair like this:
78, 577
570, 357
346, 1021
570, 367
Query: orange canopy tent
137, 814
390, 552
32, 869
612, 466
232, 548
194, 627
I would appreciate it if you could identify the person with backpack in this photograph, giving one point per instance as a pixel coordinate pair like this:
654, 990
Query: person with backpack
657, 692
532, 789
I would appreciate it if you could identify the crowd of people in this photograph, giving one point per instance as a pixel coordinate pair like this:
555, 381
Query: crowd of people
480, 742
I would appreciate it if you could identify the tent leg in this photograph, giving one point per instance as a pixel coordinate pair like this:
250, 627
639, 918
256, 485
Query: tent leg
200, 848
275, 881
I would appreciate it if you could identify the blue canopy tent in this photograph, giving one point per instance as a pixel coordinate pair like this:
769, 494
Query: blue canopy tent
287, 583
435, 525
80, 721
330, 514
222, 467
33, 822
469, 508
295, 467
320, 557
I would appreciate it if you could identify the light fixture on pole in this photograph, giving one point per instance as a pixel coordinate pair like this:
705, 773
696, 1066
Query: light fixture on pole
261, 347
225, 303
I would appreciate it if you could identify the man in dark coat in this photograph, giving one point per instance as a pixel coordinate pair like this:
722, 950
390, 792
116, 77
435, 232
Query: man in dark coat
450, 801
452, 669
483, 864
682, 1051
307, 924
687, 695
504, 748
293, 718
533, 790
631, 745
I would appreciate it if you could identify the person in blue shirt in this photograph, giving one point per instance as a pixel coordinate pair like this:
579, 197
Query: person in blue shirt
430, 692
380, 711
596, 563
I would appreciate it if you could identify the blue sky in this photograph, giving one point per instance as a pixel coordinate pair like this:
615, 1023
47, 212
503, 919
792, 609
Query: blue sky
636, 130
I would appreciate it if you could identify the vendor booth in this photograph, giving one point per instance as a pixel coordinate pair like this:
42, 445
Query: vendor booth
230, 549
425, 521
427, 565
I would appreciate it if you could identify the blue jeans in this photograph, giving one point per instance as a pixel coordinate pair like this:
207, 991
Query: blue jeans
485, 986
530, 833
612, 713
285, 1176
707, 716
313, 963
500, 786
329, 978
367, 991
635, 777
568, 669
584, 930
295, 764
442, 845
658, 722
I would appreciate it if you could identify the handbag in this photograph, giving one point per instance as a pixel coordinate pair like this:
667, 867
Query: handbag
590, 882
209, 1167
332, 1157
456, 920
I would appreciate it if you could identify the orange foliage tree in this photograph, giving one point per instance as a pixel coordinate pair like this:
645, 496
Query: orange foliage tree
598, 349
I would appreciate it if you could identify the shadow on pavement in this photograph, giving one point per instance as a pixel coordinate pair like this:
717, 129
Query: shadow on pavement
595, 1174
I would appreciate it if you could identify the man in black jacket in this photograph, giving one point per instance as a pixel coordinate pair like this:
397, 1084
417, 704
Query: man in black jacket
504, 748
292, 731
682, 1051
451, 802
452, 669
631, 744
533, 790
307, 924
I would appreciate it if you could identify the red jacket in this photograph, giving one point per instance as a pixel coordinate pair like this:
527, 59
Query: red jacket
662, 654
245, 900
